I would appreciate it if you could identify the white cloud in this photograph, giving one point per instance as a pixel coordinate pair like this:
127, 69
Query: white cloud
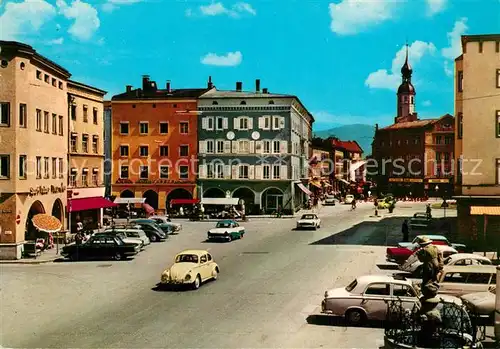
454, 39
390, 79
24, 17
111, 5
230, 60
58, 41
447, 69
218, 8
435, 6
427, 103
353, 16
86, 19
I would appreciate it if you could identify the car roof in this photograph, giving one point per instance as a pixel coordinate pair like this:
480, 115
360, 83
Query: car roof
227, 221
368, 279
458, 256
470, 269
195, 252
433, 237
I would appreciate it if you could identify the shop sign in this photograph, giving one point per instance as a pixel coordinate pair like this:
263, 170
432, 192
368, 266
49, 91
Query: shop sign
406, 180
439, 180
57, 189
5, 211
170, 181
395, 179
40, 190
123, 181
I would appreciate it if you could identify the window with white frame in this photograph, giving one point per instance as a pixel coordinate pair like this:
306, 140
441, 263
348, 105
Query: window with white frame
23, 115
219, 171
144, 128
61, 125
220, 147
38, 120
210, 123
210, 146
164, 172
46, 167
184, 128
124, 129
163, 150
54, 167
72, 177
267, 123
54, 124
143, 172
276, 147
143, 150
22, 166
46, 121
276, 171
85, 113
220, 123
243, 123
276, 122
183, 172
95, 177
73, 141
85, 143
61, 167
124, 172
124, 150
244, 146
266, 172
267, 147
163, 127
184, 150
243, 172
95, 144
210, 170
38, 167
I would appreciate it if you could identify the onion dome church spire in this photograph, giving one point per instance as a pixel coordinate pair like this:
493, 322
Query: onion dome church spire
406, 94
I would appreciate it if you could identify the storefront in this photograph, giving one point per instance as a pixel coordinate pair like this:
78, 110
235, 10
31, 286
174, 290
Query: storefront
439, 187
406, 187
86, 205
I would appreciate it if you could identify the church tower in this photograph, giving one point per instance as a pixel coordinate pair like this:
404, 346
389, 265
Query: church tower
406, 94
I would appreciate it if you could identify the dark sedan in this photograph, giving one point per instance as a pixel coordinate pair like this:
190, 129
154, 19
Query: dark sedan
151, 228
101, 247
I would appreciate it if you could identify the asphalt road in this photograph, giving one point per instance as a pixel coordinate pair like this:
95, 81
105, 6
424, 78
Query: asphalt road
270, 284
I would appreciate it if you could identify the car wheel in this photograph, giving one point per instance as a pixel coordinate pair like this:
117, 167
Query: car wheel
154, 238
229, 238
241, 235
355, 317
197, 282
215, 274
117, 256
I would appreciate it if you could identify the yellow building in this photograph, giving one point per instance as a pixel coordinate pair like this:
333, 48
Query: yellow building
477, 137
33, 143
86, 155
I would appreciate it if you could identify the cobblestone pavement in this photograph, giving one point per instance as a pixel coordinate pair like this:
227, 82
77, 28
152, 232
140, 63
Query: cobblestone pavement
271, 282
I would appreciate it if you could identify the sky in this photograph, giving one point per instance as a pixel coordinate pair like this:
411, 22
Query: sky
342, 58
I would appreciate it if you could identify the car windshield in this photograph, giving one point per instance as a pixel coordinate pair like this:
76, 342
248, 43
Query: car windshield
352, 286
223, 225
330, 197
186, 258
308, 216
493, 290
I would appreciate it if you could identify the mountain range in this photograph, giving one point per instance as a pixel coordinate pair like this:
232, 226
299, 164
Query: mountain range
361, 133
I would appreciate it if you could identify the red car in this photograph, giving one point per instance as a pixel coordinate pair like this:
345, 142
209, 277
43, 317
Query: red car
400, 254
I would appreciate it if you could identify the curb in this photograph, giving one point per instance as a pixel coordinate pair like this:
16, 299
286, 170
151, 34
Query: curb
29, 261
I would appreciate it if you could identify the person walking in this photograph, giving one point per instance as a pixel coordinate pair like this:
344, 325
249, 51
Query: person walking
405, 231
432, 260
428, 211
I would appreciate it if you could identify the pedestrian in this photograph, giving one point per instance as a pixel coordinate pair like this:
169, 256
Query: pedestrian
181, 211
428, 211
432, 260
405, 231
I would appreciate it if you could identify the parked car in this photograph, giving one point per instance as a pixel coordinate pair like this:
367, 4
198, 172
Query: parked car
309, 221
400, 255
100, 247
365, 298
191, 267
386, 202
227, 230
349, 199
151, 229
437, 240
123, 213
132, 233
481, 303
460, 280
166, 221
329, 200
122, 236
414, 266
420, 220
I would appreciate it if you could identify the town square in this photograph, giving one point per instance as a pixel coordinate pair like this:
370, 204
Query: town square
217, 174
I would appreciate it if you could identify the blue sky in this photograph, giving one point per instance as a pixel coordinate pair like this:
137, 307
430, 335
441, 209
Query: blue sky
342, 58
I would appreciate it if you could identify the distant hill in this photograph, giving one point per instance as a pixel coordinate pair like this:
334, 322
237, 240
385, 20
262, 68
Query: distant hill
361, 133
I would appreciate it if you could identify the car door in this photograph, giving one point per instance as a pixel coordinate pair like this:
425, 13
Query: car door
374, 301
93, 248
406, 294
477, 282
452, 283
204, 272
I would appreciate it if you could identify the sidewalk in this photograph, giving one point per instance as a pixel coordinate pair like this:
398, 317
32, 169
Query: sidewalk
47, 256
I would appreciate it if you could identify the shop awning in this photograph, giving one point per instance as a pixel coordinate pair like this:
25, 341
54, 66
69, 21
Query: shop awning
220, 201
75, 205
184, 201
485, 210
120, 201
304, 189
148, 208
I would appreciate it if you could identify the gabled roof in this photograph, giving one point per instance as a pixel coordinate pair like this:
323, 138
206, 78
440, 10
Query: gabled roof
350, 146
242, 94
140, 94
414, 124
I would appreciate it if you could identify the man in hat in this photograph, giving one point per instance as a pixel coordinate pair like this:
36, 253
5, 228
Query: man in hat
432, 260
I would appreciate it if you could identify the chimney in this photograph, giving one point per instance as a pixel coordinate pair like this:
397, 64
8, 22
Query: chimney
257, 85
168, 86
129, 88
210, 84
239, 86
265, 90
376, 127
145, 82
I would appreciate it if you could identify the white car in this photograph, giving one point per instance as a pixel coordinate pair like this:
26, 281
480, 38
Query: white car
414, 266
227, 230
136, 234
329, 200
309, 221
349, 199
165, 220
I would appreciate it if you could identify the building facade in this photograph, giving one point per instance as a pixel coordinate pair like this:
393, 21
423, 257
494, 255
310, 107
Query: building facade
34, 143
320, 169
85, 155
349, 166
254, 146
413, 157
477, 140
154, 143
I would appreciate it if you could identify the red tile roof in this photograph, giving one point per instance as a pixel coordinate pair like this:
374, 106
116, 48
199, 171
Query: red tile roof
350, 146
415, 124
